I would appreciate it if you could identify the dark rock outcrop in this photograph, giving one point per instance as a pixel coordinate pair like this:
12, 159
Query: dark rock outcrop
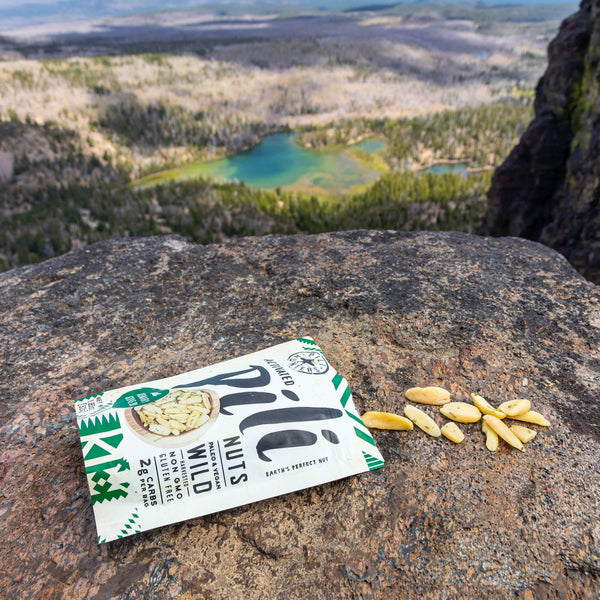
506, 317
548, 189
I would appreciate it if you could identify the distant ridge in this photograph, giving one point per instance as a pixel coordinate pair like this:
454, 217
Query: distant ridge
372, 7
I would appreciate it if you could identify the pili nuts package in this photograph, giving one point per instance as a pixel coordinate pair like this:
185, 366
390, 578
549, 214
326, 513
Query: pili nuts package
243, 430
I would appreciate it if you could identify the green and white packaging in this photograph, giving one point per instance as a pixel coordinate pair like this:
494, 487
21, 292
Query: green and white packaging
255, 427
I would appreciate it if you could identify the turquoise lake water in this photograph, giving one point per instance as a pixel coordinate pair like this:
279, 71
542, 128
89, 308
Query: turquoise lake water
441, 168
279, 162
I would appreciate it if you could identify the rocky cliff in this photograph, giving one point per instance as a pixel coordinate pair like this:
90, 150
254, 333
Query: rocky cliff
548, 189
508, 318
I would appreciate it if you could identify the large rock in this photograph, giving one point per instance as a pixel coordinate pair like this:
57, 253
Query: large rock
548, 188
505, 317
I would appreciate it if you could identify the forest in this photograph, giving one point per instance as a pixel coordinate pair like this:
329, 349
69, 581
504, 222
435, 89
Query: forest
83, 117
67, 199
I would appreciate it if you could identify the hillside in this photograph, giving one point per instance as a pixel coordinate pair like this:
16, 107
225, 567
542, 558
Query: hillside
85, 113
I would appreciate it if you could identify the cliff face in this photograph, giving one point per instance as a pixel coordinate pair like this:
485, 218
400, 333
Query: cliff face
506, 317
548, 188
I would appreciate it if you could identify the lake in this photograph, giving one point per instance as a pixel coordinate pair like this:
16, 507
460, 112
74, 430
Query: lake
440, 168
279, 162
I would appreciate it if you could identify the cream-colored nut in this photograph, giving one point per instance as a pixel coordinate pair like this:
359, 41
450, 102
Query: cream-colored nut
523, 433
163, 404
491, 437
461, 412
533, 417
485, 407
201, 420
453, 433
383, 420
192, 420
515, 408
503, 431
428, 395
191, 399
196, 407
173, 424
160, 429
422, 420
173, 410
177, 412
181, 417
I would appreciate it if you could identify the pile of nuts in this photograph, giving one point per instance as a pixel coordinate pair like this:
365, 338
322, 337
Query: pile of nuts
178, 412
462, 412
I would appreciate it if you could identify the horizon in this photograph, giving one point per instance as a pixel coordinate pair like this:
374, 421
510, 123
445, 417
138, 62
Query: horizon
141, 6
25, 19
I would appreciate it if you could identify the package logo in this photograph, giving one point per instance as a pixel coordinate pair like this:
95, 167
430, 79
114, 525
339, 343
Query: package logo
100, 439
310, 362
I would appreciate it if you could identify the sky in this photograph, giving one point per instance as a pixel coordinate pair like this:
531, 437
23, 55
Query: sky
141, 5
17, 14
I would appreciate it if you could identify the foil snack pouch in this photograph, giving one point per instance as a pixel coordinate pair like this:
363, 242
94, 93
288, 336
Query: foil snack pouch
265, 424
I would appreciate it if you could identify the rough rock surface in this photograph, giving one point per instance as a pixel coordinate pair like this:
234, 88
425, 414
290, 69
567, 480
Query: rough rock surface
548, 188
505, 317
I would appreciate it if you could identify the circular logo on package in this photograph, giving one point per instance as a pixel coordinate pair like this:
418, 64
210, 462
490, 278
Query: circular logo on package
308, 361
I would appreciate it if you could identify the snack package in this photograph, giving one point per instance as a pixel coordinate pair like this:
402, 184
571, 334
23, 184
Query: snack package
255, 427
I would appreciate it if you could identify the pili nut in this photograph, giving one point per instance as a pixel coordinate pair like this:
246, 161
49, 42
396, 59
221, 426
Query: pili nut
164, 404
533, 417
453, 433
485, 407
189, 400
461, 412
175, 410
160, 429
523, 433
428, 395
172, 416
515, 408
383, 420
491, 437
503, 431
422, 420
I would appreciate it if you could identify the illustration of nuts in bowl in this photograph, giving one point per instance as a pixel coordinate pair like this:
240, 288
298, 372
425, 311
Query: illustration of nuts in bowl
176, 417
